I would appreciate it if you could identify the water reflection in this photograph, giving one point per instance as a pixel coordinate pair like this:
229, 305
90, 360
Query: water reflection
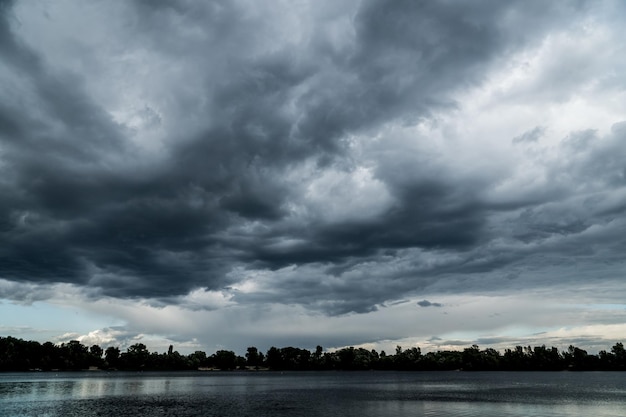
314, 394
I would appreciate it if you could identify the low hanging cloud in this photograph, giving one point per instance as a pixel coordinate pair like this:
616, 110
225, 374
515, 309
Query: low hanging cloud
426, 303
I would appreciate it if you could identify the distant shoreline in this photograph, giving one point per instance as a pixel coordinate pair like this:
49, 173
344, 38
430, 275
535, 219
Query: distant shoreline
17, 355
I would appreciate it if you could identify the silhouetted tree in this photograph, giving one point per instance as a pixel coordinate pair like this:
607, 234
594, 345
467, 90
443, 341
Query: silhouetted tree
252, 357
197, 359
224, 360
576, 358
95, 355
274, 358
20, 355
619, 357
75, 355
112, 356
135, 357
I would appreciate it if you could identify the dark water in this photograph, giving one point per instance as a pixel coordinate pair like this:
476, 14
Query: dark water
325, 394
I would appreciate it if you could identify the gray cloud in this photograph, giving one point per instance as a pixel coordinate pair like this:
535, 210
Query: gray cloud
426, 303
532, 135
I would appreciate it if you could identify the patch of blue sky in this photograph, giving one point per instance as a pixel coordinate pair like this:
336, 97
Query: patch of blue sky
42, 321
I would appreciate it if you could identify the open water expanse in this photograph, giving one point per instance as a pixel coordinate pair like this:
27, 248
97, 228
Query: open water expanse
502, 394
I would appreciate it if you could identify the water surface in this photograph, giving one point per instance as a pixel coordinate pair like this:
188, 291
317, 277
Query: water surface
327, 394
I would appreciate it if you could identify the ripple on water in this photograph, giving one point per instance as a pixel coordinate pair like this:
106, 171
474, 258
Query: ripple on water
315, 394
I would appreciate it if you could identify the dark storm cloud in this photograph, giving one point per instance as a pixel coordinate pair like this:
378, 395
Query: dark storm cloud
426, 216
81, 205
490, 341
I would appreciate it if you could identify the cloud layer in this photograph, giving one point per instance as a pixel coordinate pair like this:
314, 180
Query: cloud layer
335, 158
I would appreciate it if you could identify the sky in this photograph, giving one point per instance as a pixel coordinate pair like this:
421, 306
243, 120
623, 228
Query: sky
224, 174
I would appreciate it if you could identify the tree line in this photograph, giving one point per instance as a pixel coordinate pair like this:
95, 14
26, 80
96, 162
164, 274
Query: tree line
21, 355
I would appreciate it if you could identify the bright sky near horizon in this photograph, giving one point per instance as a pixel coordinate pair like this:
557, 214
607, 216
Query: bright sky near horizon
221, 174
